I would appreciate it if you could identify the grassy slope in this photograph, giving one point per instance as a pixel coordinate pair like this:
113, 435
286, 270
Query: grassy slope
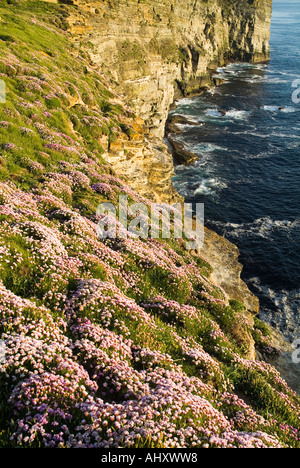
107, 343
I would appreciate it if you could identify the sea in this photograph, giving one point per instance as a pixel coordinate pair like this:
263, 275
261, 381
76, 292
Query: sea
246, 133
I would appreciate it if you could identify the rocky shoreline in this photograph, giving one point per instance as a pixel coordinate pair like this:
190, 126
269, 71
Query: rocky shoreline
180, 154
223, 256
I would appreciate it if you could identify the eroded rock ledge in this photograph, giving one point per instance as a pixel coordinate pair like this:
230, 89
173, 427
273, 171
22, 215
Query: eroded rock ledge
156, 50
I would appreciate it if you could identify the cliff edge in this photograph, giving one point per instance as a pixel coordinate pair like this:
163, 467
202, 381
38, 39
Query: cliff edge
156, 50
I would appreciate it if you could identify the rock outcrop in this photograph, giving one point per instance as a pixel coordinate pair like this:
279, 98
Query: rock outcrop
223, 256
144, 161
156, 50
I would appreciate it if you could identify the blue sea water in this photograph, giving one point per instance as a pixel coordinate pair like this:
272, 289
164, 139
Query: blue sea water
248, 172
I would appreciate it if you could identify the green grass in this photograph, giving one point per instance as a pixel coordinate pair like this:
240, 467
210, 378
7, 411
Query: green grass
48, 82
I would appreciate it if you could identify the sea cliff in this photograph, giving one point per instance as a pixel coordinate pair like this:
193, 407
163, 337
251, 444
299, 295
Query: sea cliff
154, 52
157, 50
118, 342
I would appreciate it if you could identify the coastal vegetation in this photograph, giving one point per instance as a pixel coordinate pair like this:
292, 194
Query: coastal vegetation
115, 343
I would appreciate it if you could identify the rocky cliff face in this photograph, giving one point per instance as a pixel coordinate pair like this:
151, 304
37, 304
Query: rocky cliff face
156, 50
153, 52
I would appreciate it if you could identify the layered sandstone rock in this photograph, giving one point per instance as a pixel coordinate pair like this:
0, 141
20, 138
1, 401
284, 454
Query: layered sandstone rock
156, 50
223, 256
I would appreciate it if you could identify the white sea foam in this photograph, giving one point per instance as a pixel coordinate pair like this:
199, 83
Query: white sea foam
209, 186
221, 76
286, 110
192, 118
278, 80
271, 108
213, 113
184, 101
254, 79
240, 68
262, 227
261, 66
186, 126
232, 114
283, 312
236, 114
285, 135
206, 148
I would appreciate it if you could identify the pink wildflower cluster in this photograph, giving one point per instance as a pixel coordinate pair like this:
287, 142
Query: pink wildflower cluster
241, 415
4, 124
100, 301
104, 189
62, 148
172, 311
82, 366
8, 146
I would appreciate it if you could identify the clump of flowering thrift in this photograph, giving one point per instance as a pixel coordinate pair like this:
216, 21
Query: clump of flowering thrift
115, 343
